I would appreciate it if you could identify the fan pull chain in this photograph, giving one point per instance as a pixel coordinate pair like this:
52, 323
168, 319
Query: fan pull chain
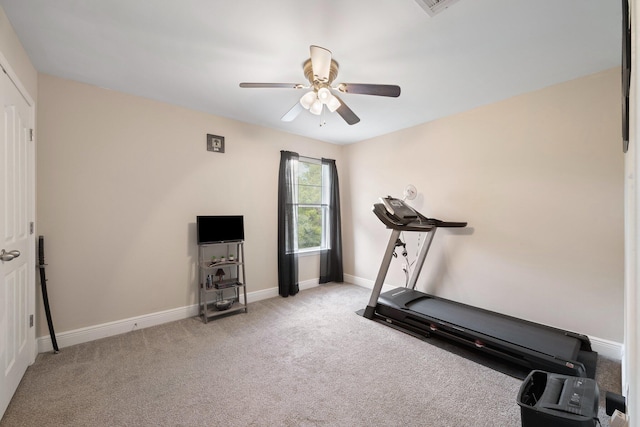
322, 120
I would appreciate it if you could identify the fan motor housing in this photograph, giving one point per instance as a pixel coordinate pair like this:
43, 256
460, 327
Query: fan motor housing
308, 72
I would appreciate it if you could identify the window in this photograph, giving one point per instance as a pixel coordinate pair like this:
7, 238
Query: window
312, 205
308, 219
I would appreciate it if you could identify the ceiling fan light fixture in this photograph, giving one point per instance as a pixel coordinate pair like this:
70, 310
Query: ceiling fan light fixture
316, 107
333, 104
308, 99
324, 95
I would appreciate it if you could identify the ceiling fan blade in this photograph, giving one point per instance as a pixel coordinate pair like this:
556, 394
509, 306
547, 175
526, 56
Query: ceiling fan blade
320, 63
370, 89
346, 113
293, 112
272, 85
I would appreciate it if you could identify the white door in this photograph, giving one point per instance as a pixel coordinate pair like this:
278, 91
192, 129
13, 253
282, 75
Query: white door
17, 264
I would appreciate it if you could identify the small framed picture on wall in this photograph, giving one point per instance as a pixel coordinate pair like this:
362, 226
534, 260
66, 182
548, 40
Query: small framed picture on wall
215, 143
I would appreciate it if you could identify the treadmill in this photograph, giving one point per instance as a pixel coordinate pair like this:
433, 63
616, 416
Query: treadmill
528, 344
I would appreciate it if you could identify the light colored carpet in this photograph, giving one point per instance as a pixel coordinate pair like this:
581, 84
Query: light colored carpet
306, 360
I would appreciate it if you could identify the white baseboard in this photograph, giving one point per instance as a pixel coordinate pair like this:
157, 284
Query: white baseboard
308, 284
609, 349
366, 283
91, 333
273, 292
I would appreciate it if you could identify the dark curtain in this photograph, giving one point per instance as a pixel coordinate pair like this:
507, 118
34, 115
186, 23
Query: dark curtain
287, 220
331, 259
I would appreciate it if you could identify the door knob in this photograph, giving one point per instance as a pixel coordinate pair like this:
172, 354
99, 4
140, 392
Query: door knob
8, 256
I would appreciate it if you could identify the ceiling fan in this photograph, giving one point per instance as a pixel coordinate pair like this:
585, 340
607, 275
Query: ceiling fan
321, 70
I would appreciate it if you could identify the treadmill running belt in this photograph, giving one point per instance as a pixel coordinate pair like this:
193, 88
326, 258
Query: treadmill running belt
505, 328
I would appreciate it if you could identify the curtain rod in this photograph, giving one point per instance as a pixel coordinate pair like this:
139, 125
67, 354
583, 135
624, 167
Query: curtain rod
307, 157
313, 158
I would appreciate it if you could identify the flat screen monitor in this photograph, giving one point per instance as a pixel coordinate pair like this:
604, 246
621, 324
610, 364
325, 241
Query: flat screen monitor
216, 229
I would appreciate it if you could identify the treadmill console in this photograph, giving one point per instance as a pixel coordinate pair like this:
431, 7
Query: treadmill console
399, 210
397, 215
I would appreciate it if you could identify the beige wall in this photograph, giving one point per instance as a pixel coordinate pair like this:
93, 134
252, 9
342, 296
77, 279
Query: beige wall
538, 177
121, 180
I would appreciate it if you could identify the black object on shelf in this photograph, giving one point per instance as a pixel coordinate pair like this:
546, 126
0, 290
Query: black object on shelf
217, 229
225, 285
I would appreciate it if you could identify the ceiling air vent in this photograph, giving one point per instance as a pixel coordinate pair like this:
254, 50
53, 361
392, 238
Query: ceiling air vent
433, 7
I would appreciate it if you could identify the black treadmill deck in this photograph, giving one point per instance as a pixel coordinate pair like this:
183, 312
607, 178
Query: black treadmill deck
516, 331
509, 334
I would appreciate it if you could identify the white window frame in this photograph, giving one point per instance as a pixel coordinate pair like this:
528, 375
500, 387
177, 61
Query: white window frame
324, 208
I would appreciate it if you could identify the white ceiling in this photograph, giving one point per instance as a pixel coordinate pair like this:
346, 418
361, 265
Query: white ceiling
194, 53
